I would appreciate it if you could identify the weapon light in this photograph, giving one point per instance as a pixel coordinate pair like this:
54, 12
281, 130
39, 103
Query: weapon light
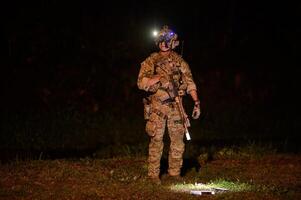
211, 188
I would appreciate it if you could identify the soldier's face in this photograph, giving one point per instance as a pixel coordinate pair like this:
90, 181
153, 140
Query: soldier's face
163, 47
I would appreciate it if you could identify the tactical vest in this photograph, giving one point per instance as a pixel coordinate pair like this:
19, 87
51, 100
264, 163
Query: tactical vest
169, 67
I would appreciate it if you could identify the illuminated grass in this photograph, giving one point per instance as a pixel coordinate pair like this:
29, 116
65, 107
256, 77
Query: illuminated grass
232, 186
219, 185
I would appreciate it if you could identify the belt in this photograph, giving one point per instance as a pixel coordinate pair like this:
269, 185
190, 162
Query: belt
169, 100
159, 113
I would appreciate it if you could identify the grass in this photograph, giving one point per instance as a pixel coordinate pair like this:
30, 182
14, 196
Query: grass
269, 176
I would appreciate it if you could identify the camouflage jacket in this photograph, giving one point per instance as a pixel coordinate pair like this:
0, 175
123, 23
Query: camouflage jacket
173, 65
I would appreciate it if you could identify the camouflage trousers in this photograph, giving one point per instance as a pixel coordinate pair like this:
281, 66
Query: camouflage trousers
162, 116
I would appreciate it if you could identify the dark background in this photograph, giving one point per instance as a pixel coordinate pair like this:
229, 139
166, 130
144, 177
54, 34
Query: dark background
70, 68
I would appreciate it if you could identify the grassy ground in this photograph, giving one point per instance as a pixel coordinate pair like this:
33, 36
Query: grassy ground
270, 176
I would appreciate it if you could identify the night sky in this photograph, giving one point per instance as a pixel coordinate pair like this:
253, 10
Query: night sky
88, 53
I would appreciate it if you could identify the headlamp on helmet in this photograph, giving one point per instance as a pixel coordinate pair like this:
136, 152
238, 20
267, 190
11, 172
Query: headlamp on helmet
168, 36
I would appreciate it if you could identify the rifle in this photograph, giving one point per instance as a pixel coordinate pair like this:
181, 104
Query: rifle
174, 94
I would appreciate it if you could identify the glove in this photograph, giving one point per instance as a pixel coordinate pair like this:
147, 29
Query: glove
196, 110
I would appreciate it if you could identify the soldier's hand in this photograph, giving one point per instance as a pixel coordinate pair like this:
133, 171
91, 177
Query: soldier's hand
196, 110
155, 79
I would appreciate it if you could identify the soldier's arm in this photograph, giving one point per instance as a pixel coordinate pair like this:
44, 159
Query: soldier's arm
194, 96
192, 90
188, 79
146, 78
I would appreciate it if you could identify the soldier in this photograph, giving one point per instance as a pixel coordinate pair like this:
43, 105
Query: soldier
160, 72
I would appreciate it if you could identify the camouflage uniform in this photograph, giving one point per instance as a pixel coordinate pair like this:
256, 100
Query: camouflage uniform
164, 112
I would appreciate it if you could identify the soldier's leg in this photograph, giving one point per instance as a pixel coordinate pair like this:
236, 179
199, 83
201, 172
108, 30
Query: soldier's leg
155, 127
177, 145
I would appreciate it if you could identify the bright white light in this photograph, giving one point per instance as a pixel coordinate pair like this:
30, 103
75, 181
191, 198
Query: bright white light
155, 33
214, 187
202, 192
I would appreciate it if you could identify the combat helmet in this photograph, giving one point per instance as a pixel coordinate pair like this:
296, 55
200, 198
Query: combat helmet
168, 36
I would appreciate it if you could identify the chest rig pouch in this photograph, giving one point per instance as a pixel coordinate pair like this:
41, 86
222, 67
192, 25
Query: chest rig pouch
170, 70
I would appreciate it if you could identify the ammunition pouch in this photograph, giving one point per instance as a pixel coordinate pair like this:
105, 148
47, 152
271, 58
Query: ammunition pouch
147, 108
152, 123
150, 127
